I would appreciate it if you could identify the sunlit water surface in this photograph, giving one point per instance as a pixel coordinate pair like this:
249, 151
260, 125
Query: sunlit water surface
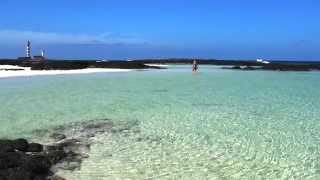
216, 124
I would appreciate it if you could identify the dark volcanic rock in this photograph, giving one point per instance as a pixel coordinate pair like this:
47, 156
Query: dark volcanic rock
37, 163
35, 147
22, 166
22, 161
20, 144
56, 156
51, 148
17, 174
10, 160
76, 64
6, 146
100, 125
278, 67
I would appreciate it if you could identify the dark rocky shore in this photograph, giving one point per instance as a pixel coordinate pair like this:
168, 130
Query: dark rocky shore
68, 146
77, 64
277, 67
69, 65
21, 160
140, 64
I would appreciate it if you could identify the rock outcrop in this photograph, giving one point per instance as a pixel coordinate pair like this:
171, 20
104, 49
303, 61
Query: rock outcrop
66, 148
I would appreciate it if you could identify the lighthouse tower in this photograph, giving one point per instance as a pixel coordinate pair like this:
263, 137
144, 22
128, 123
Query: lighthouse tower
28, 49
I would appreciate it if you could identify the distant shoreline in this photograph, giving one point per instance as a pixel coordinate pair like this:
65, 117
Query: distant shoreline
176, 61
26, 72
50, 64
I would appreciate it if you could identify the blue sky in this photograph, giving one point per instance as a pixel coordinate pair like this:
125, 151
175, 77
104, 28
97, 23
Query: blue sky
117, 29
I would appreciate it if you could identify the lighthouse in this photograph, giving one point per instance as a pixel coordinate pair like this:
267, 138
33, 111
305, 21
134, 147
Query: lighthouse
28, 49
29, 59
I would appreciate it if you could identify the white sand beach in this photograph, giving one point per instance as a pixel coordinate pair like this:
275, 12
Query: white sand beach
14, 72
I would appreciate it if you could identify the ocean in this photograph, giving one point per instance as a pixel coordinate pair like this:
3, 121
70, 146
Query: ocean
214, 124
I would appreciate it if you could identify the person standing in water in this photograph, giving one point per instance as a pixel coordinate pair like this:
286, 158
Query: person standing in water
194, 66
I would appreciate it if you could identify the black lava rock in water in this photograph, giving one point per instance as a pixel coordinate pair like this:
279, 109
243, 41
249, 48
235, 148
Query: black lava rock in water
20, 144
53, 148
35, 147
56, 156
37, 164
17, 174
17, 164
6, 146
10, 160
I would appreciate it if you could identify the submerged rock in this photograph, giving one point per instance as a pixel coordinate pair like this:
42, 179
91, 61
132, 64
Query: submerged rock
30, 161
17, 174
22, 166
20, 144
55, 177
56, 156
38, 164
17, 163
10, 160
69, 145
35, 147
57, 136
6, 146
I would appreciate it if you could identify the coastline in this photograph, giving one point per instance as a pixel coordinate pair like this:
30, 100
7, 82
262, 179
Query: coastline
161, 64
28, 72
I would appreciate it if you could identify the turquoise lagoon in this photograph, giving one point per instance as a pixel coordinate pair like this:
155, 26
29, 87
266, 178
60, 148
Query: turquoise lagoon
216, 124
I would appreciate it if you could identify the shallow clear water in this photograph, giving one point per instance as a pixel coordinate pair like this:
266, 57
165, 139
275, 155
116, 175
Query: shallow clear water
216, 124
